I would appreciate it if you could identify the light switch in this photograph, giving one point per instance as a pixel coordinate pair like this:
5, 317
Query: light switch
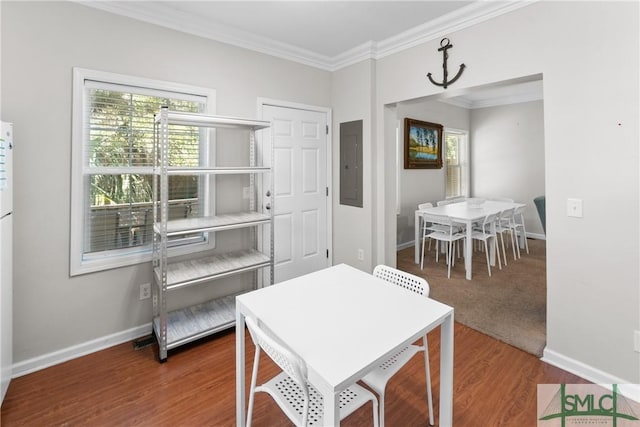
574, 208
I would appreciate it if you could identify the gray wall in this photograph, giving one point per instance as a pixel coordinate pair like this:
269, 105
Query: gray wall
507, 155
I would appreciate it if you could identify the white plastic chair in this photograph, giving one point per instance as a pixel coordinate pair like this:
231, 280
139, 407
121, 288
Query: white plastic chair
451, 200
451, 233
379, 377
483, 233
505, 224
518, 224
427, 227
298, 399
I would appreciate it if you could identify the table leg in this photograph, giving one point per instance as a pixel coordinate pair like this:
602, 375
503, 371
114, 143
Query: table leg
468, 250
240, 361
416, 238
446, 372
331, 408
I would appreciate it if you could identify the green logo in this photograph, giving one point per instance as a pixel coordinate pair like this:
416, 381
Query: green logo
583, 407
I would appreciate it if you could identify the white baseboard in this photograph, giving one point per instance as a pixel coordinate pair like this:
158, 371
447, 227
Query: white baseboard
405, 245
585, 371
536, 236
41, 362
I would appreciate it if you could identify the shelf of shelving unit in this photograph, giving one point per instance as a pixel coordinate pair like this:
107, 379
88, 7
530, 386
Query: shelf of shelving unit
214, 223
198, 321
179, 327
197, 270
212, 121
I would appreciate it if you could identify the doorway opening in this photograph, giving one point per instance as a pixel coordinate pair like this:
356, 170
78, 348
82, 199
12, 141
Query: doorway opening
505, 126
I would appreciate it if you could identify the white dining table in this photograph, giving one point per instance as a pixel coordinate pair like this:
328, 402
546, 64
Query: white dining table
343, 323
467, 213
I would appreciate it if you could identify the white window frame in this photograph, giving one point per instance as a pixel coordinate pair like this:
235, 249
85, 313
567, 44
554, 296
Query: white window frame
79, 264
463, 160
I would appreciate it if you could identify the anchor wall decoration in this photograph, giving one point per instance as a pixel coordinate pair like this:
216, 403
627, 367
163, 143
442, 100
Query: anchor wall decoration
444, 45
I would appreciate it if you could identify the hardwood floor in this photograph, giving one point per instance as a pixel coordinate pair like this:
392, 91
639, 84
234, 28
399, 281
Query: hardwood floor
494, 385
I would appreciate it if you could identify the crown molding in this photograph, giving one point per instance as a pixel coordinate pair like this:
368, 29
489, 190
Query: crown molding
475, 13
159, 14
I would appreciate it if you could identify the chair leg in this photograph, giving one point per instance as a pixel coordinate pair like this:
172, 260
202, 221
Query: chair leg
252, 389
422, 254
376, 417
504, 253
449, 260
496, 250
524, 237
486, 253
381, 407
428, 372
514, 241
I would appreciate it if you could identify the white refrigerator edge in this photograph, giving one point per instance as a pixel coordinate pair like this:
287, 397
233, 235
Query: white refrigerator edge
6, 273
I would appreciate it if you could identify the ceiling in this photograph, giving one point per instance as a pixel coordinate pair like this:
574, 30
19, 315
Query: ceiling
324, 34
327, 28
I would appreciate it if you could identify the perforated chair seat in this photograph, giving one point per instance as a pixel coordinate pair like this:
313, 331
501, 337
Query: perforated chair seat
379, 377
291, 391
290, 398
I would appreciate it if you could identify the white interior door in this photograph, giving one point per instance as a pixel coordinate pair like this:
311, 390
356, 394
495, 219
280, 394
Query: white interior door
300, 194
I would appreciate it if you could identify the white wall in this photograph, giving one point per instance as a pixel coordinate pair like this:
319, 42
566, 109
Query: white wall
423, 185
41, 42
352, 92
590, 104
507, 155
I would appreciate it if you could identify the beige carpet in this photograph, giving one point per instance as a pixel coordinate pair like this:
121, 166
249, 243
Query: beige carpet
509, 306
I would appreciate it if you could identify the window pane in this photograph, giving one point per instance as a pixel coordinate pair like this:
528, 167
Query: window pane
120, 134
455, 145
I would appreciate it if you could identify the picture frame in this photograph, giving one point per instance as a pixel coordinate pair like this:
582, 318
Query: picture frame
422, 144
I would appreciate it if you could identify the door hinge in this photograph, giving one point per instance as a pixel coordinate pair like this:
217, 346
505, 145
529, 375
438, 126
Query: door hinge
326, 127
327, 188
327, 253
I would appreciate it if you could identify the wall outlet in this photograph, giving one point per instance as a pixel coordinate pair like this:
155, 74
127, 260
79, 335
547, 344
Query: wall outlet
145, 291
360, 254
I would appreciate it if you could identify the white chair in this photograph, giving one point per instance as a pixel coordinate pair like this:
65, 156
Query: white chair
518, 225
379, 377
450, 234
451, 200
483, 233
425, 224
298, 399
504, 224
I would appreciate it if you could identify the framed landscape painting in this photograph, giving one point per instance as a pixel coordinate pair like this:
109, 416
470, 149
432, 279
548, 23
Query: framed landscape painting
422, 145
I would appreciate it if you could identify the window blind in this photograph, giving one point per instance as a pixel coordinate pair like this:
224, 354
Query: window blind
118, 150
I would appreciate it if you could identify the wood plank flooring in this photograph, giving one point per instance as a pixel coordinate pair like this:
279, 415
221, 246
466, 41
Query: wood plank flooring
494, 385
